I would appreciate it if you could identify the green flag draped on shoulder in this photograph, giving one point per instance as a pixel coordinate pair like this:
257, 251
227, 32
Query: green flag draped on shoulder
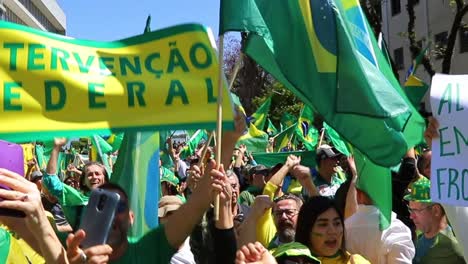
260, 116
329, 44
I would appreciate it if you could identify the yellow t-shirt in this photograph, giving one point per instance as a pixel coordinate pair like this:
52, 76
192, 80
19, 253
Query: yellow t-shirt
266, 229
344, 259
16, 251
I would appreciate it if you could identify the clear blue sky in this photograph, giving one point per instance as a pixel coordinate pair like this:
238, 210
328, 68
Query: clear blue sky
107, 20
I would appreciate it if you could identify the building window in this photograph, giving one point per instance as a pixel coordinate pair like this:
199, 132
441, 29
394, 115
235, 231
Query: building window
37, 14
440, 44
396, 7
463, 39
12, 17
399, 59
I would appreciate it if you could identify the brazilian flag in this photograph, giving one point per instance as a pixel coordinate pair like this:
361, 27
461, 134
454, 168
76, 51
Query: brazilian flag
329, 57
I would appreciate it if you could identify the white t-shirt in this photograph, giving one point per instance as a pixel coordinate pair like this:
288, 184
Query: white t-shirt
363, 237
184, 255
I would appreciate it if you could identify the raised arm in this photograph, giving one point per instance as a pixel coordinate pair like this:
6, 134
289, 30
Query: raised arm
351, 205
34, 228
181, 223
224, 238
303, 175
229, 138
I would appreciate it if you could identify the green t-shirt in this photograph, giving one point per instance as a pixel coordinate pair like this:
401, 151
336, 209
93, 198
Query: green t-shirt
247, 197
443, 248
327, 189
71, 200
151, 248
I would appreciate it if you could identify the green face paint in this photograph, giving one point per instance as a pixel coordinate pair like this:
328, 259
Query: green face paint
318, 234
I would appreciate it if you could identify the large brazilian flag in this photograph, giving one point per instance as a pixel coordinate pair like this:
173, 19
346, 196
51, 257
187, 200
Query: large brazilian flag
325, 52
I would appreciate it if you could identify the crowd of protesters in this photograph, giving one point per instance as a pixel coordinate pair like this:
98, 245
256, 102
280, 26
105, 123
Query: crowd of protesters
286, 213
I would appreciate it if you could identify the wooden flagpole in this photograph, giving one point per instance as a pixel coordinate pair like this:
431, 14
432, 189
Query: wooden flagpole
219, 118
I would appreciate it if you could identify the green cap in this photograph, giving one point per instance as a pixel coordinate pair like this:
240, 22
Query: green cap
169, 176
420, 191
293, 249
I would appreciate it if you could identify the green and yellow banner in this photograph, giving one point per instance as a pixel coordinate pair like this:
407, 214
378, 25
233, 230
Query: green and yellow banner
53, 85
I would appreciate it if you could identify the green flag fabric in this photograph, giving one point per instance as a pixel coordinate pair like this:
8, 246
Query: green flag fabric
335, 138
287, 120
271, 159
236, 102
115, 140
415, 89
329, 44
164, 155
305, 130
271, 129
136, 171
41, 158
102, 145
255, 140
241, 15
193, 142
260, 116
100, 152
376, 181
283, 138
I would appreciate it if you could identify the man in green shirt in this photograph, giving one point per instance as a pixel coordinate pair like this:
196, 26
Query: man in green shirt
259, 175
436, 242
328, 177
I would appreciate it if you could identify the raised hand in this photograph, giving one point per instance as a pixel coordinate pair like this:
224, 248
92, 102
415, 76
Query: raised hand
96, 254
254, 254
260, 205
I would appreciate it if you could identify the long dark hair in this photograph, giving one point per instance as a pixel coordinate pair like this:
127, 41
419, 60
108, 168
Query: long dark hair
309, 213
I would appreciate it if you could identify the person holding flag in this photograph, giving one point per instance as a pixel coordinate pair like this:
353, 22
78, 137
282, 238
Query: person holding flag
158, 245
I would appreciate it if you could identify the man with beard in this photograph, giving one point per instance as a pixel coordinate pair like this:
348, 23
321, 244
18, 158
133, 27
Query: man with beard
285, 209
285, 212
436, 242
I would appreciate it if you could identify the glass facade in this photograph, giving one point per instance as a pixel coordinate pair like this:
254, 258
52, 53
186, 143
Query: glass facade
12, 17
39, 16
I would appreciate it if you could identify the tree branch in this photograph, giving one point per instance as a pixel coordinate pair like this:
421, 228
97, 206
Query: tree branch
452, 37
414, 48
459, 5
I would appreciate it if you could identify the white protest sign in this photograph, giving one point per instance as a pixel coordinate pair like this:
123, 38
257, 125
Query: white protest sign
449, 166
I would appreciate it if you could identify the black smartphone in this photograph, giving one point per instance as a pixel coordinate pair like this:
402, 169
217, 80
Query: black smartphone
98, 216
11, 158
